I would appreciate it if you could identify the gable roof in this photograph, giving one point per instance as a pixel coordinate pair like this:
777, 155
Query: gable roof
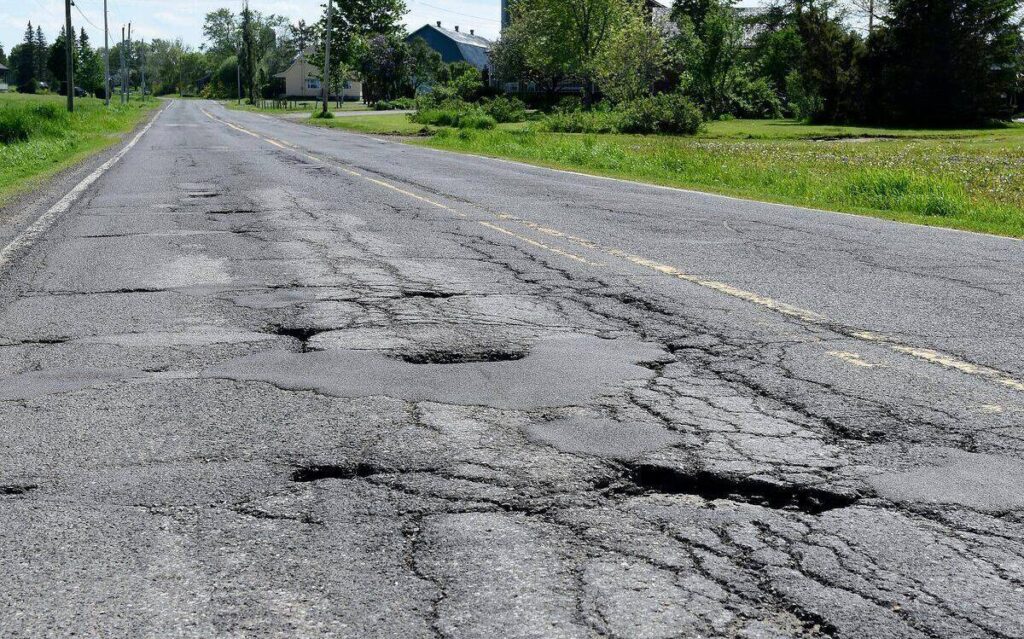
3, 68
473, 48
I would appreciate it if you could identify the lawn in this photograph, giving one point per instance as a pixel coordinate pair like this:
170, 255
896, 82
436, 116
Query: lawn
304, 106
39, 138
971, 180
383, 124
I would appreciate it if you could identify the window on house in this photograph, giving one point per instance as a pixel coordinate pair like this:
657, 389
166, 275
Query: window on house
312, 83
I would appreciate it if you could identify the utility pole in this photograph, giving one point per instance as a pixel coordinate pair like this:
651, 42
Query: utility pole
871, 17
121, 51
142, 66
128, 69
69, 45
106, 57
327, 59
238, 67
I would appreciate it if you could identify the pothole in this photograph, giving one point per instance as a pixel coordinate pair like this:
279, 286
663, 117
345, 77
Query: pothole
430, 295
230, 211
564, 370
301, 333
196, 195
17, 489
320, 472
470, 356
711, 486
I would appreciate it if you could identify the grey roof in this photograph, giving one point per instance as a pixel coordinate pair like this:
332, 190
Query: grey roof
3, 68
474, 49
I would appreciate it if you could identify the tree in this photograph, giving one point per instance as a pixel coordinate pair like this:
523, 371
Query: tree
3, 56
527, 54
56, 60
248, 55
23, 58
353, 24
40, 55
222, 33
827, 85
946, 62
572, 32
708, 50
633, 61
425, 65
89, 74
383, 68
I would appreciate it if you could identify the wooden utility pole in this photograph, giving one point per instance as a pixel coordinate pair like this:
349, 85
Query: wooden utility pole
121, 51
69, 44
128, 68
871, 17
327, 59
106, 57
142, 66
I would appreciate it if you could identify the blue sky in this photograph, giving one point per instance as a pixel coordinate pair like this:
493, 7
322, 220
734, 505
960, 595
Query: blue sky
184, 18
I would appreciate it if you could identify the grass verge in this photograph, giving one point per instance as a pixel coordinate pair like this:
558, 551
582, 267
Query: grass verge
40, 138
970, 180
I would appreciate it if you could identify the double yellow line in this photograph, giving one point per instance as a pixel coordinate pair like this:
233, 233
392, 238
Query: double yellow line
805, 316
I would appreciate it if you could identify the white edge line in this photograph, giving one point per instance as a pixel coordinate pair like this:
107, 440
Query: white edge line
44, 221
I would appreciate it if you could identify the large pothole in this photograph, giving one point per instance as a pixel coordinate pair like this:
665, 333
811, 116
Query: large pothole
557, 371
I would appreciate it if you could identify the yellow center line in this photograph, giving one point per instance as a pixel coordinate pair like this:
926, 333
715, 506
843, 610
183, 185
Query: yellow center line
944, 360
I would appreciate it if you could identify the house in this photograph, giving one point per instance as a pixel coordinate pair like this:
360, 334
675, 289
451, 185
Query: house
3, 78
455, 46
302, 80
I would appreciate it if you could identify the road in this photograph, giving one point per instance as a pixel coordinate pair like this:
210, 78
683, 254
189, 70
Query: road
268, 380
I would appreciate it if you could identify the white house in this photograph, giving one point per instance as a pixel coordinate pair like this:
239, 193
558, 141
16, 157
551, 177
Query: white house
302, 80
3, 78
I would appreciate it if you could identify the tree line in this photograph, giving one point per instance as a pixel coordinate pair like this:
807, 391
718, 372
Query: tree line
900, 62
906, 62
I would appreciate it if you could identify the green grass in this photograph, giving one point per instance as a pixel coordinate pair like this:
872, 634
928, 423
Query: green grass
971, 180
56, 139
304, 106
384, 124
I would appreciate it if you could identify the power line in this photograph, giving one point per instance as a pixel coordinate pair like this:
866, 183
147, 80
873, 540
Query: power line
457, 13
86, 18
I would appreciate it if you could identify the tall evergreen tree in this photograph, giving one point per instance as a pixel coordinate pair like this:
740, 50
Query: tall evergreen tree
248, 60
946, 62
3, 56
23, 58
40, 53
89, 72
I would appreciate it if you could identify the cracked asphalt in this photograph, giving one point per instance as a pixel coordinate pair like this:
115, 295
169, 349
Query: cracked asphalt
267, 380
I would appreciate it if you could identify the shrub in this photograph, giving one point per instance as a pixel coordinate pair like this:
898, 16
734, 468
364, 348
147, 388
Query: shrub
504, 109
476, 121
662, 113
29, 86
19, 122
471, 118
323, 115
398, 104
582, 122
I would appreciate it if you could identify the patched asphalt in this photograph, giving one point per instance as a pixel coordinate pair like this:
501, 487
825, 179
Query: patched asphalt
272, 380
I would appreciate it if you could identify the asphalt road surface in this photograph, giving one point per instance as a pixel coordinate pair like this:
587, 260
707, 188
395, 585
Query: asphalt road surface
267, 380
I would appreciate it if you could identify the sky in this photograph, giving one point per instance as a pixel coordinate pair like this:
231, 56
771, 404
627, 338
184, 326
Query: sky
184, 18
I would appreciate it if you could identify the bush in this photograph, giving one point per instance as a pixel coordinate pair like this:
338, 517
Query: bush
19, 122
756, 99
476, 121
582, 122
662, 113
471, 118
29, 86
323, 115
504, 109
398, 104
